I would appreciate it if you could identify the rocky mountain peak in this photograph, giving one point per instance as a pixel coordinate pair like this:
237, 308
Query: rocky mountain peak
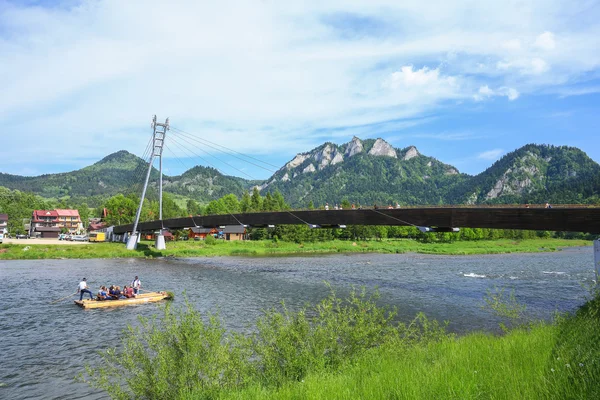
299, 159
382, 148
355, 146
324, 157
412, 152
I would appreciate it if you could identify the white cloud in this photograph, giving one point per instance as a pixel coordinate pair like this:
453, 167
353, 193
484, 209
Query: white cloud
511, 93
528, 66
512, 44
266, 75
485, 92
538, 66
545, 41
490, 154
408, 77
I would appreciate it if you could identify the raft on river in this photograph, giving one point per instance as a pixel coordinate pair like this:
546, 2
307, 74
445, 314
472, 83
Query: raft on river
143, 298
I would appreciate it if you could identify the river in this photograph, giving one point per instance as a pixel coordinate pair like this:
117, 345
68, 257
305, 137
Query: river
44, 346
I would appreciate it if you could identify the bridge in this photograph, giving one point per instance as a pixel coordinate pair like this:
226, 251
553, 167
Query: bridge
428, 219
568, 219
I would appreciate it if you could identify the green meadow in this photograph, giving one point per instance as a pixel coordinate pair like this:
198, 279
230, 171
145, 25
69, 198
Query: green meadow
35, 249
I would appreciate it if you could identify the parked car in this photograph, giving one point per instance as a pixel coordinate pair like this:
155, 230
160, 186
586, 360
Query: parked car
79, 238
62, 236
22, 236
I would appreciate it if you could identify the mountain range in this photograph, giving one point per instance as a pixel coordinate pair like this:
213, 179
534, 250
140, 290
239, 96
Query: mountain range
360, 171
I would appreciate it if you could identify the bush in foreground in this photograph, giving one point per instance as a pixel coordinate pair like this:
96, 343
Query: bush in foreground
181, 353
351, 348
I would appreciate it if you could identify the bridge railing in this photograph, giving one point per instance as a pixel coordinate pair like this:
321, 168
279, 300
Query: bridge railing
383, 207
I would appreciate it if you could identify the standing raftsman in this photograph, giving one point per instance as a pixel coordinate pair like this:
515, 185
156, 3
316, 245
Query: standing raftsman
158, 138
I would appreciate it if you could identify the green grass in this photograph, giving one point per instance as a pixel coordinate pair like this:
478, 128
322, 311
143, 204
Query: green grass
477, 366
351, 349
558, 360
38, 250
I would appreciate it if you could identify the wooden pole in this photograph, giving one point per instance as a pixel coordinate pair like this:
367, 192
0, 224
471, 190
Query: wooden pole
56, 301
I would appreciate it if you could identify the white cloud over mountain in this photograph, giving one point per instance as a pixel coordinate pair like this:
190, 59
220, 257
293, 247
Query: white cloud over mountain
95, 71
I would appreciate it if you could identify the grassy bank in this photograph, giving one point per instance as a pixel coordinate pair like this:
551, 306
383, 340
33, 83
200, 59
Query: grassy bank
352, 349
35, 249
538, 363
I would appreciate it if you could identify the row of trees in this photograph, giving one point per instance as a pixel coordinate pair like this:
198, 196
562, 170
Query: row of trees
121, 209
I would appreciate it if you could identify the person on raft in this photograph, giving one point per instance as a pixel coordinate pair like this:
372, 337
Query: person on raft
83, 288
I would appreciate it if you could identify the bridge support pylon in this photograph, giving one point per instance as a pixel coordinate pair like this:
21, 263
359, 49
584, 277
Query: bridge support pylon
132, 242
159, 244
158, 141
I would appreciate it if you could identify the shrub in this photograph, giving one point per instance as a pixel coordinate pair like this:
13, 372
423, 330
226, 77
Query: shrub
182, 352
210, 240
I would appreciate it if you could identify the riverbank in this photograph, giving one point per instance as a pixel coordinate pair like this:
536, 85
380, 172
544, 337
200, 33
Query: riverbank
38, 249
558, 360
320, 355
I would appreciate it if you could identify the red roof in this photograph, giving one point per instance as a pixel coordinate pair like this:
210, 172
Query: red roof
67, 213
98, 226
44, 213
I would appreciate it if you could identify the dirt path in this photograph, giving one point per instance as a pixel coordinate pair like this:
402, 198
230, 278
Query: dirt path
30, 242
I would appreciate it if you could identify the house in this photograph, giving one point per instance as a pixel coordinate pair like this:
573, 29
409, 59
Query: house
4, 223
44, 223
234, 232
70, 220
201, 233
97, 227
152, 236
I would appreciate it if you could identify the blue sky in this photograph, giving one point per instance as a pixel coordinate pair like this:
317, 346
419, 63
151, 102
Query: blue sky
463, 81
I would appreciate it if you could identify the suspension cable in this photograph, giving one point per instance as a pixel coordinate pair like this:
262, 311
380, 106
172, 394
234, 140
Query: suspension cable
226, 148
224, 162
192, 155
397, 219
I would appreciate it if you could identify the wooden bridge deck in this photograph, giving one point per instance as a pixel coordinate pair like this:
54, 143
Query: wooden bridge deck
559, 218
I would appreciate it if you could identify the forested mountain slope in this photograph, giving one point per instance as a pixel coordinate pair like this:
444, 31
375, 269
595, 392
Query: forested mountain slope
363, 172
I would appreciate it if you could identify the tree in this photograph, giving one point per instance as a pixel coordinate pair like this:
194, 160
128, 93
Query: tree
120, 210
256, 200
192, 207
84, 214
245, 203
268, 204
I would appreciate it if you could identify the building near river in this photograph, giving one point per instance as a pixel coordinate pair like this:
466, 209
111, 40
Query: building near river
200, 233
233, 232
70, 220
44, 224
49, 223
3, 223
3, 226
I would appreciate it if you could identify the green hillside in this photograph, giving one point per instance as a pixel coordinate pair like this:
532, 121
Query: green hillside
364, 172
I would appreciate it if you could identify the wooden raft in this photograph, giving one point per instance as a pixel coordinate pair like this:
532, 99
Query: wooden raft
149, 297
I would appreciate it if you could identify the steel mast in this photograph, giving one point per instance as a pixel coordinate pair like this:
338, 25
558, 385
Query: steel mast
159, 132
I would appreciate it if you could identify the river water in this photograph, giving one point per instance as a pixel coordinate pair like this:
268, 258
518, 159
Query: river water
44, 346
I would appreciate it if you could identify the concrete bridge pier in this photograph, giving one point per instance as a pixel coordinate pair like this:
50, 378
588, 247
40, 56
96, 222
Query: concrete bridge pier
132, 241
159, 244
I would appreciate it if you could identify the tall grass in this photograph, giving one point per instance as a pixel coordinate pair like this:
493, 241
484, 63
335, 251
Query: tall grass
347, 349
184, 354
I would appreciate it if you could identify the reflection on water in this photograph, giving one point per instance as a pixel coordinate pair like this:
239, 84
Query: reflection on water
45, 345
